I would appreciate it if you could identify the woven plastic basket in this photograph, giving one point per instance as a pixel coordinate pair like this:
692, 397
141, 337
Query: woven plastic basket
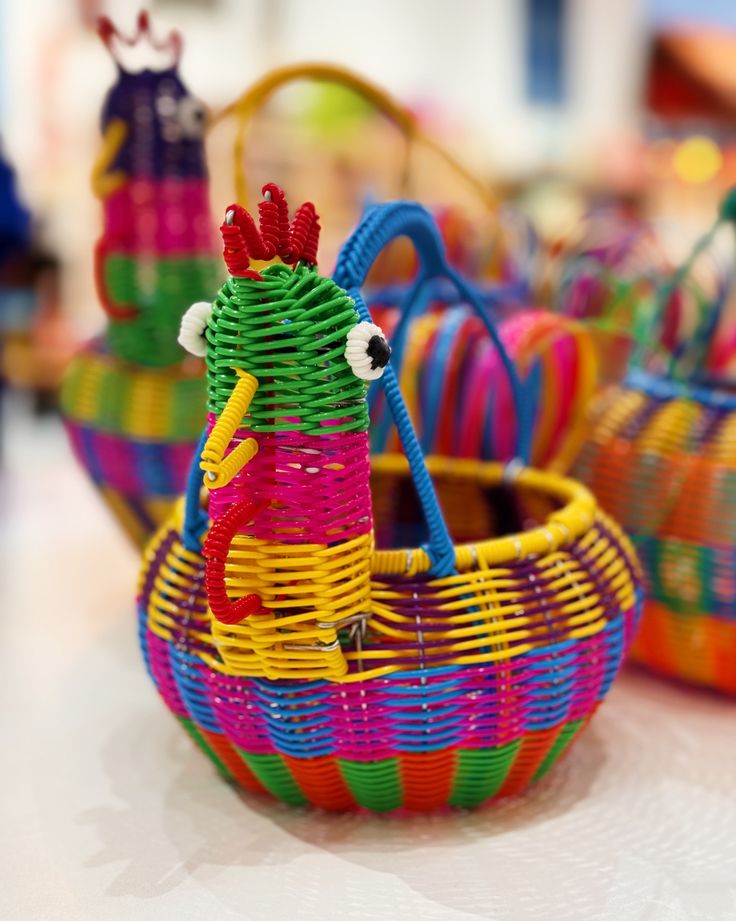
444, 361
661, 458
318, 633
127, 397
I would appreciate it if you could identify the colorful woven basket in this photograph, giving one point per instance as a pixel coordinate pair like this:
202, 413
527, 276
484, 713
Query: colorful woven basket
661, 458
127, 397
444, 362
317, 632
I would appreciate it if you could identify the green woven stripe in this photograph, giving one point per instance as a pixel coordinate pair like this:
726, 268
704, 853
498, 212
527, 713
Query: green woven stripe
479, 775
288, 330
376, 785
275, 777
161, 290
111, 411
567, 734
204, 745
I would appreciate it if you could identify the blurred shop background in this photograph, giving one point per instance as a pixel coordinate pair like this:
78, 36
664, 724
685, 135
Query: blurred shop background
555, 105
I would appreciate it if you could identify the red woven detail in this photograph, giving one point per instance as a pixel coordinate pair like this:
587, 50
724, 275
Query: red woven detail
427, 778
532, 752
304, 235
239, 770
242, 241
321, 782
109, 33
274, 219
215, 552
274, 237
114, 311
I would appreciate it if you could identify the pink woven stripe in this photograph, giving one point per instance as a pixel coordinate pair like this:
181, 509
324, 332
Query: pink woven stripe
487, 706
160, 663
305, 499
168, 217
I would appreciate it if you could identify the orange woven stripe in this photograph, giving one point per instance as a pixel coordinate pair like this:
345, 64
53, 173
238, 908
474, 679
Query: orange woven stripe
532, 752
232, 761
321, 782
722, 641
654, 641
427, 778
695, 647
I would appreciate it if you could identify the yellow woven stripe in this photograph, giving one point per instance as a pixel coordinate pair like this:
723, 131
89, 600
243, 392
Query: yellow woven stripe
564, 525
312, 586
141, 400
613, 411
147, 411
722, 449
88, 372
671, 428
491, 612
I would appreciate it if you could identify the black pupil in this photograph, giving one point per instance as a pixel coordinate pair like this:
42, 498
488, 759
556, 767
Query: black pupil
379, 351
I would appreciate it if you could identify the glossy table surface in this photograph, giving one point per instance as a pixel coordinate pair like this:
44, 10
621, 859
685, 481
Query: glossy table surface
108, 811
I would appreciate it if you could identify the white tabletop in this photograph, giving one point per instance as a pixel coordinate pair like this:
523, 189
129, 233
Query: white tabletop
108, 811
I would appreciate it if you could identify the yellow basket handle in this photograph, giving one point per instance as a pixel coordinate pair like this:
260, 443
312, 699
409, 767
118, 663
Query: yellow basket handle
246, 105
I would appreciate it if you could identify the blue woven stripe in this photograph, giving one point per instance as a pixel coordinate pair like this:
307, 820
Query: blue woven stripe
88, 440
151, 468
187, 675
143, 640
713, 573
426, 703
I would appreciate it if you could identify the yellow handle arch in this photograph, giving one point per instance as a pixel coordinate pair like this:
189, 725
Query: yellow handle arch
246, 105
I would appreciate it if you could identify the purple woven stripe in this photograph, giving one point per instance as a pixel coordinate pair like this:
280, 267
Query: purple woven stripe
475, 707
132, 468
158, 650
639, 421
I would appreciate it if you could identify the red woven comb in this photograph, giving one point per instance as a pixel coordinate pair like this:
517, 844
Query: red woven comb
275, 236
109, 34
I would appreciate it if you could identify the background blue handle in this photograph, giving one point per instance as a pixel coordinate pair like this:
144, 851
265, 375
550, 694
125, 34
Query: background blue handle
380, 225
196, 519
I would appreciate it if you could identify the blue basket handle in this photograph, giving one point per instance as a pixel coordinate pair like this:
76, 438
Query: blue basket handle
380, 225
196, 519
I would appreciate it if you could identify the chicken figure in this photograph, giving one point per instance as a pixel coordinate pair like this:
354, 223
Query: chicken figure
288, 368
127, 394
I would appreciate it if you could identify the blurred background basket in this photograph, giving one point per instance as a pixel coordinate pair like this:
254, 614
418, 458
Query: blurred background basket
127, 395
661, 458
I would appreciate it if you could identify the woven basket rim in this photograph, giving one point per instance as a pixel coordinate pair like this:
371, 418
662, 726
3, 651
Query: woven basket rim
666, 388
562, 527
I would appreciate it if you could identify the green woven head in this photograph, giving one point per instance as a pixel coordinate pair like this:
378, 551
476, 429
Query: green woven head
295, 331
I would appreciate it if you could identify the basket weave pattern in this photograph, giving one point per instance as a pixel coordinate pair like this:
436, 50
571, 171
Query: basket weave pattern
660, 459
332, 649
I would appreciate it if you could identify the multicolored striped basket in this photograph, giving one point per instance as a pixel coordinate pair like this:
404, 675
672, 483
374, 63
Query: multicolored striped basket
661, 458
444, 361
317, 631
127, 396
133, 431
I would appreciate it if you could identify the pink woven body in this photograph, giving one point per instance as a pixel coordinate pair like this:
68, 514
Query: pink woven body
147, 217
315, 488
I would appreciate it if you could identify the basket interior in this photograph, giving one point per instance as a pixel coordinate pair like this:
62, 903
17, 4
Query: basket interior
474, 511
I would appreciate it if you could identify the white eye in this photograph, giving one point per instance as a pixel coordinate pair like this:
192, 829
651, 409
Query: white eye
367, 351
192, 329
191, 116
